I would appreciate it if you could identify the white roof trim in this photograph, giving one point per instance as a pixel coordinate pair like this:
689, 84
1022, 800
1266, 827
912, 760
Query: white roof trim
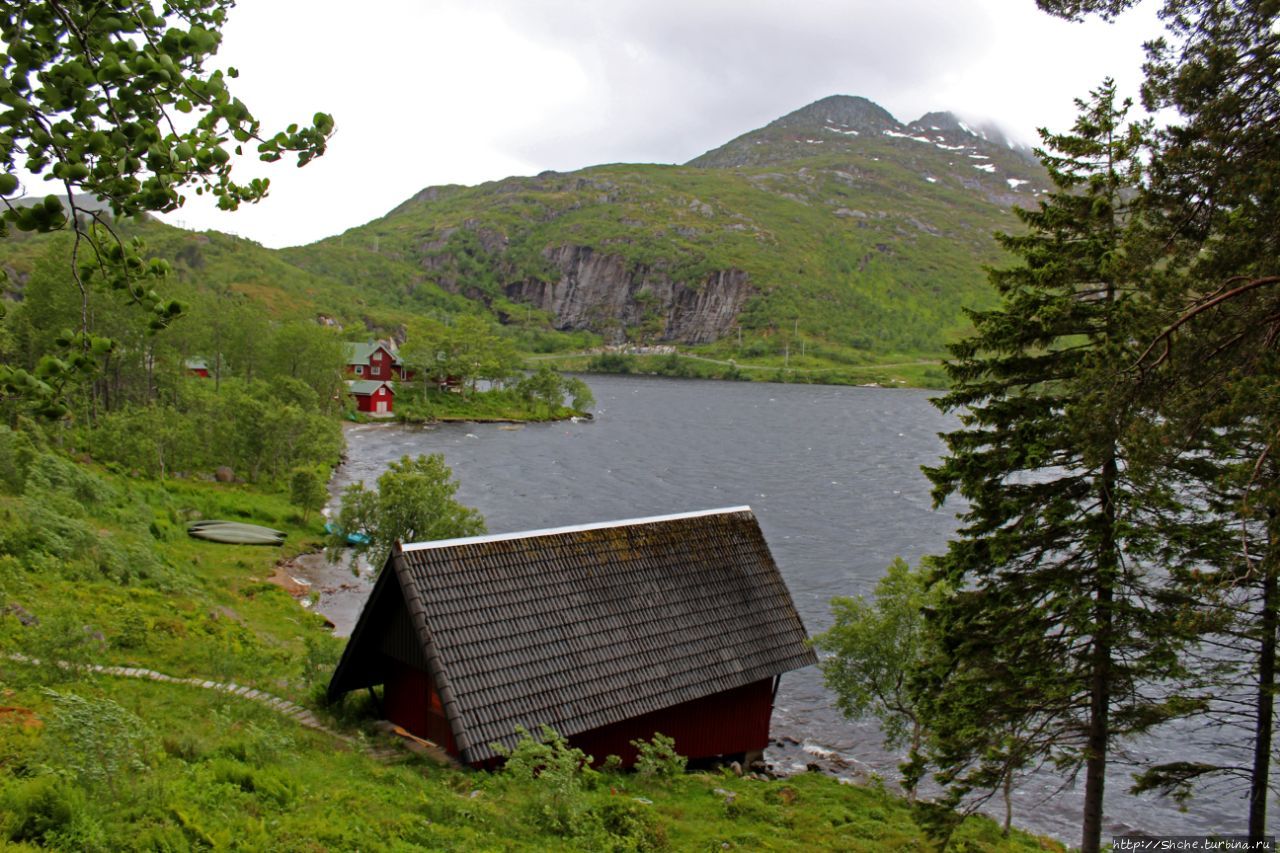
576, 528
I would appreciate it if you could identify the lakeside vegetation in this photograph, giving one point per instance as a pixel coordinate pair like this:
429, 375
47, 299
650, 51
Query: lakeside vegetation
910, 373
97, 568
500, 405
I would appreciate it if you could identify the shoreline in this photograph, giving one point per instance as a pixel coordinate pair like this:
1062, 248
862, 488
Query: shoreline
916, 373
463, 419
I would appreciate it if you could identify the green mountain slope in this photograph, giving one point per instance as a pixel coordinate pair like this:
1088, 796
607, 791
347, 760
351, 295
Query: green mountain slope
835, 222
834, 231
380, 293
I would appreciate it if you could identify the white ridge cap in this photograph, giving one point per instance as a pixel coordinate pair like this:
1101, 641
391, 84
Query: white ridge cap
573, 528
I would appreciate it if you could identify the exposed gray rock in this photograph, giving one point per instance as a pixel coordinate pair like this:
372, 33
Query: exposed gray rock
597, 291
25, 616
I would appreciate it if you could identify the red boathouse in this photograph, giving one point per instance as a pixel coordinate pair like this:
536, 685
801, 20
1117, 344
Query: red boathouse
372, 396
607, 633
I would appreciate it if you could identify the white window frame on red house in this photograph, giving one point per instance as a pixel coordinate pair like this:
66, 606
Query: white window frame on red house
359, 370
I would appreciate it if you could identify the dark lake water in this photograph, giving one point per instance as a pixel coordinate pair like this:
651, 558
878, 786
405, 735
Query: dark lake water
833, 474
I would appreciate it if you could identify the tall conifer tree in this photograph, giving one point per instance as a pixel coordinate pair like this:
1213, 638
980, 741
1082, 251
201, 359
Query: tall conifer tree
1056, 625
1215, 179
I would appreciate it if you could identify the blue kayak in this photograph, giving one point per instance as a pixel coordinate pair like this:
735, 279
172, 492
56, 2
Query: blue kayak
352, 538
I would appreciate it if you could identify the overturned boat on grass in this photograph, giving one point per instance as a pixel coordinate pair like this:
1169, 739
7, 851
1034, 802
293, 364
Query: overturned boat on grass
235, 533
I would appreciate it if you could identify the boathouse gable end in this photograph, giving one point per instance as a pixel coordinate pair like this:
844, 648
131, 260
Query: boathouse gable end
606, 633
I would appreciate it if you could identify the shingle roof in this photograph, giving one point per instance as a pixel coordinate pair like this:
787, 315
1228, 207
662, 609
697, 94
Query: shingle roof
368, 386
586, 626
359, 352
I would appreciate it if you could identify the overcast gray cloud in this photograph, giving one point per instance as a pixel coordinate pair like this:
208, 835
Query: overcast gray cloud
667, 84
464, 91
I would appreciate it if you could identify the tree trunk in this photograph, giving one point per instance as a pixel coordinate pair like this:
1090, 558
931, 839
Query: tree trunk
1099, 705
1264, 726
1100, 665
917, 734
1008, 801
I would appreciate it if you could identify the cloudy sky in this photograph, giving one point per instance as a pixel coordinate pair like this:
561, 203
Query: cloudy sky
430, 92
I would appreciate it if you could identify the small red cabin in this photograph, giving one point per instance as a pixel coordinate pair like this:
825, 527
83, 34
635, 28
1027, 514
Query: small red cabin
608, 633
372, 396
197, 367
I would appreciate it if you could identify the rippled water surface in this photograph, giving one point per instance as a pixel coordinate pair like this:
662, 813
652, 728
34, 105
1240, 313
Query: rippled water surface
833, 475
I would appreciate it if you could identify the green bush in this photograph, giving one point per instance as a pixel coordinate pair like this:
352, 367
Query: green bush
260, 430
658, 757
95, 741
16, 454
562, 773
269, 785
627, 825
51, 476
36, 809
673, 365
611, 362
58, 638
321, 659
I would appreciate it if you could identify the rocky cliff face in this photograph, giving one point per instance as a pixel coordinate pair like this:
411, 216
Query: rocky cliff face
603, 293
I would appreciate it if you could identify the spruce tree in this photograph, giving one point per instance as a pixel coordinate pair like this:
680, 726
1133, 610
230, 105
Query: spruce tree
1215, 181
1058, 625
1223, 426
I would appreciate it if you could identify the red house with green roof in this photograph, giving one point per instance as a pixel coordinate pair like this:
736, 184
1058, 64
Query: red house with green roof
376, 360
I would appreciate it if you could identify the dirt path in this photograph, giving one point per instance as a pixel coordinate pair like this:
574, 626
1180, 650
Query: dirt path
384, 750
296, 712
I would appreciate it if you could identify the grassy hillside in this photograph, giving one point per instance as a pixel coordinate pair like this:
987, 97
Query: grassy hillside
383, 294
96, 568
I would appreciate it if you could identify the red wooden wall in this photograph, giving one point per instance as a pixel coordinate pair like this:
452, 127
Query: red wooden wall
369, 402
722, 724
411, 702
381, 365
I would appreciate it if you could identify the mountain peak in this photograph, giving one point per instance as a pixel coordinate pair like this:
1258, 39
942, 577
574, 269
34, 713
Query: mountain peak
944, 121
953, 126
847, 112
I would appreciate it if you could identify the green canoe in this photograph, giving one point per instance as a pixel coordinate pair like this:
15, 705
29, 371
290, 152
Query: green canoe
235, 533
